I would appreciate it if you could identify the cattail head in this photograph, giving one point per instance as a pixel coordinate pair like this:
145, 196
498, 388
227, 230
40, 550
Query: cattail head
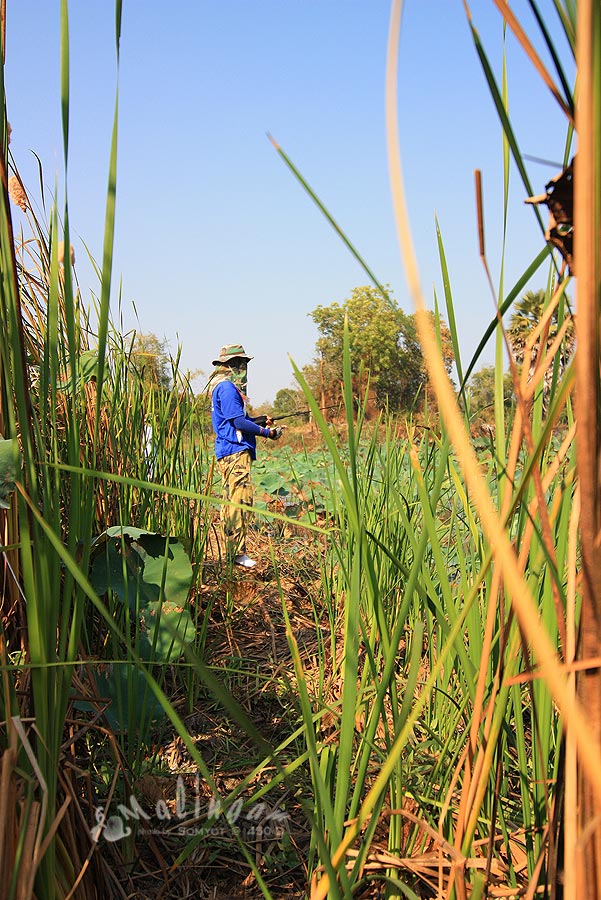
9, 131
61, 253
17, 194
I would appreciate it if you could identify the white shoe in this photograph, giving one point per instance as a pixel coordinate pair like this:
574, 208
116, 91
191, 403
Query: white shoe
245, 561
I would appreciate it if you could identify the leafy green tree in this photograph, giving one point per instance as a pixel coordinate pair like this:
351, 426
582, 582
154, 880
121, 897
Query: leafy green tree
482, 393
385, 351
288, 400
151, 360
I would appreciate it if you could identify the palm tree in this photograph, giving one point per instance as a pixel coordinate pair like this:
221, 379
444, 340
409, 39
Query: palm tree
526, 315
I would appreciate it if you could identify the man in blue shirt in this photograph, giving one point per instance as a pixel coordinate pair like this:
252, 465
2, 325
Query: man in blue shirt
235, 446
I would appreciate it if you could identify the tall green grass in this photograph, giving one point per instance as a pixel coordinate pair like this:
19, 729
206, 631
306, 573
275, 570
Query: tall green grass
484, 567
437, 744
73, 404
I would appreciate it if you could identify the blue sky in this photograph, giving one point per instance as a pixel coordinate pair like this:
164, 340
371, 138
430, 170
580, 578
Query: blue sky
215, 240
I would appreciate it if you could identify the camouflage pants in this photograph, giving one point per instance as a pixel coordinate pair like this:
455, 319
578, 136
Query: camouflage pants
237, 488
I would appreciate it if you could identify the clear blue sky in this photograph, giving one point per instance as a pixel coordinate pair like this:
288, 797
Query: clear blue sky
215, 240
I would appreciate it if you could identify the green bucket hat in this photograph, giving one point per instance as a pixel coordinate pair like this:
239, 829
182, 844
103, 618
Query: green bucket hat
231, 351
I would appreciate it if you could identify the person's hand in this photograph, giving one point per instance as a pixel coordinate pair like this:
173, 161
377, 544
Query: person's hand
269, 421
276, 433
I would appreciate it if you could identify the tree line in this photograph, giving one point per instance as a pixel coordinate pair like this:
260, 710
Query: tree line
387, 363
388, 370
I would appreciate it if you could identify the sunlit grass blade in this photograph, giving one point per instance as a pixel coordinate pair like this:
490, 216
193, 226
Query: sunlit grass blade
565, 103
450, 308
511, 297
502, 113
567, 90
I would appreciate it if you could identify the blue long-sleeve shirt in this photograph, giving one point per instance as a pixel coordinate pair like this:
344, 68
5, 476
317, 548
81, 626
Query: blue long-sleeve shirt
234, 430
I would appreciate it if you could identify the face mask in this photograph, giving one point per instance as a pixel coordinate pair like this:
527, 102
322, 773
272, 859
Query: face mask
240, 376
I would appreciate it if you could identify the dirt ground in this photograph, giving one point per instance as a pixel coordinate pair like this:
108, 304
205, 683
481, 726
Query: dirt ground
246, 639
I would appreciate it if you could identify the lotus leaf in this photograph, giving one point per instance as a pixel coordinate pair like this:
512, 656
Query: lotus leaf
165, 628
152, 574
132, 705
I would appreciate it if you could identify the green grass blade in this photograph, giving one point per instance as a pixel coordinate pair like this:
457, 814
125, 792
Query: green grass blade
329, 217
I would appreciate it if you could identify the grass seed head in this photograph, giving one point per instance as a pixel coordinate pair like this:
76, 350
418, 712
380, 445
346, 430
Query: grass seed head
61, 253
17, 194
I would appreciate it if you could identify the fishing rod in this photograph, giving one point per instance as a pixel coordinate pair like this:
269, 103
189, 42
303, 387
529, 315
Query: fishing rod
543, 162
262, 420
